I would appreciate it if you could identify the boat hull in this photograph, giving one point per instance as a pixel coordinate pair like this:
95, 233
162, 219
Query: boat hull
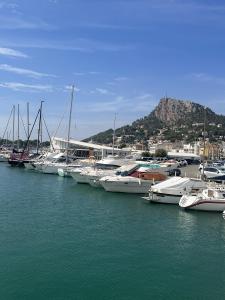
79, 178
16, 163
208, 206
164, 198
49, 169
201, 203
141, 187
29, 166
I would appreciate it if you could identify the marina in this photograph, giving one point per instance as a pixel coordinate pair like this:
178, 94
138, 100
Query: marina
112, 150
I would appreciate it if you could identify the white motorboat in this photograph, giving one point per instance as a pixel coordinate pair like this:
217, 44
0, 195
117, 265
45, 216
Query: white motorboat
79, 174
139, 181
51, 164
52, 168
210, 199
111, 163
172, 189
36, 162
4, 155
65, 171
94, 176
125, 184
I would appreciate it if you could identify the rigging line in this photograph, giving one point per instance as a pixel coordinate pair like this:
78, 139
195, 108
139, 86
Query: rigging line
50, 140
60, 122
31, 131
23, 126
7, 124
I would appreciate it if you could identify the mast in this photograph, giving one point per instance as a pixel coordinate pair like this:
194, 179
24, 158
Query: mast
114, 132
39, 126
13, 133
69, 126
28, 124
18, 127
204, 128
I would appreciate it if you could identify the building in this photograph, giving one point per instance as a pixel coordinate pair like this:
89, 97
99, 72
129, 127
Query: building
84, 149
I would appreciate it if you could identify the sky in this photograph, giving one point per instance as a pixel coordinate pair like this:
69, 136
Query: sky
121, 55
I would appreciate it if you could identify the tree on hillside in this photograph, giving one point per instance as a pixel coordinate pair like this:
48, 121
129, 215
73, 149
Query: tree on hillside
146, 154
160, 153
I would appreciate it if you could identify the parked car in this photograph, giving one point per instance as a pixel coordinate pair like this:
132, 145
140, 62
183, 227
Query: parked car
174, 172
213, 173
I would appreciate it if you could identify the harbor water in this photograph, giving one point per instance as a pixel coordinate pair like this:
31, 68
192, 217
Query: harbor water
62, 240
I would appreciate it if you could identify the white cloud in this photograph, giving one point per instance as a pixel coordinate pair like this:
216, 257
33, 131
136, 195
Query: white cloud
26, 72
69, 88
78, 74
18, 86
107, 106
102, 91
93, 73
142, 103
9, 5
81, 45
87, 73
12, 23
11, 52
203, 77
122, 78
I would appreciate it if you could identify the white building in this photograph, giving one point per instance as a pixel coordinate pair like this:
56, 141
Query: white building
87, 149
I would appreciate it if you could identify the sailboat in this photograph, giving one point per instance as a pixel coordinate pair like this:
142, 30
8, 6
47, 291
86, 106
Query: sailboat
5, 148
61, 161
18, 156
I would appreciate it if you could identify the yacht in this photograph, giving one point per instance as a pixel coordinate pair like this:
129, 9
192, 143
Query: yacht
94, 176
210, 199
138, 182
36, 162
108, 164
172, 189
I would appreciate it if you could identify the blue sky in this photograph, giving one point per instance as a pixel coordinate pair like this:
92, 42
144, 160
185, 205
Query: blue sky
122, 56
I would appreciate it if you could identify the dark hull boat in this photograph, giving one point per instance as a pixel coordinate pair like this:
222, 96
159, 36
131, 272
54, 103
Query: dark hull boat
17, 159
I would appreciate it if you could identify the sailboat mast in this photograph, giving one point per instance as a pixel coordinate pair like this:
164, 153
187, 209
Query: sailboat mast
28, 124
18, 127
13, 135
204, 128
114, 131
69, 126
39, 126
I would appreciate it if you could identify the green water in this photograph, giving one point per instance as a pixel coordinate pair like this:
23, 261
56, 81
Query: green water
59, 240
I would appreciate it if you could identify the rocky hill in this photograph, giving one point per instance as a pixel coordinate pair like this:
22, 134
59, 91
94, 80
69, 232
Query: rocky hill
171, 120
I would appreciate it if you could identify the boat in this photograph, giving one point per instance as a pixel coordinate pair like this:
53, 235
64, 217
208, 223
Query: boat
109, 163
171, 190
125, 184
77, 176
138, 182
94, 176
17, 158
4, 155
52, 164
210, 199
